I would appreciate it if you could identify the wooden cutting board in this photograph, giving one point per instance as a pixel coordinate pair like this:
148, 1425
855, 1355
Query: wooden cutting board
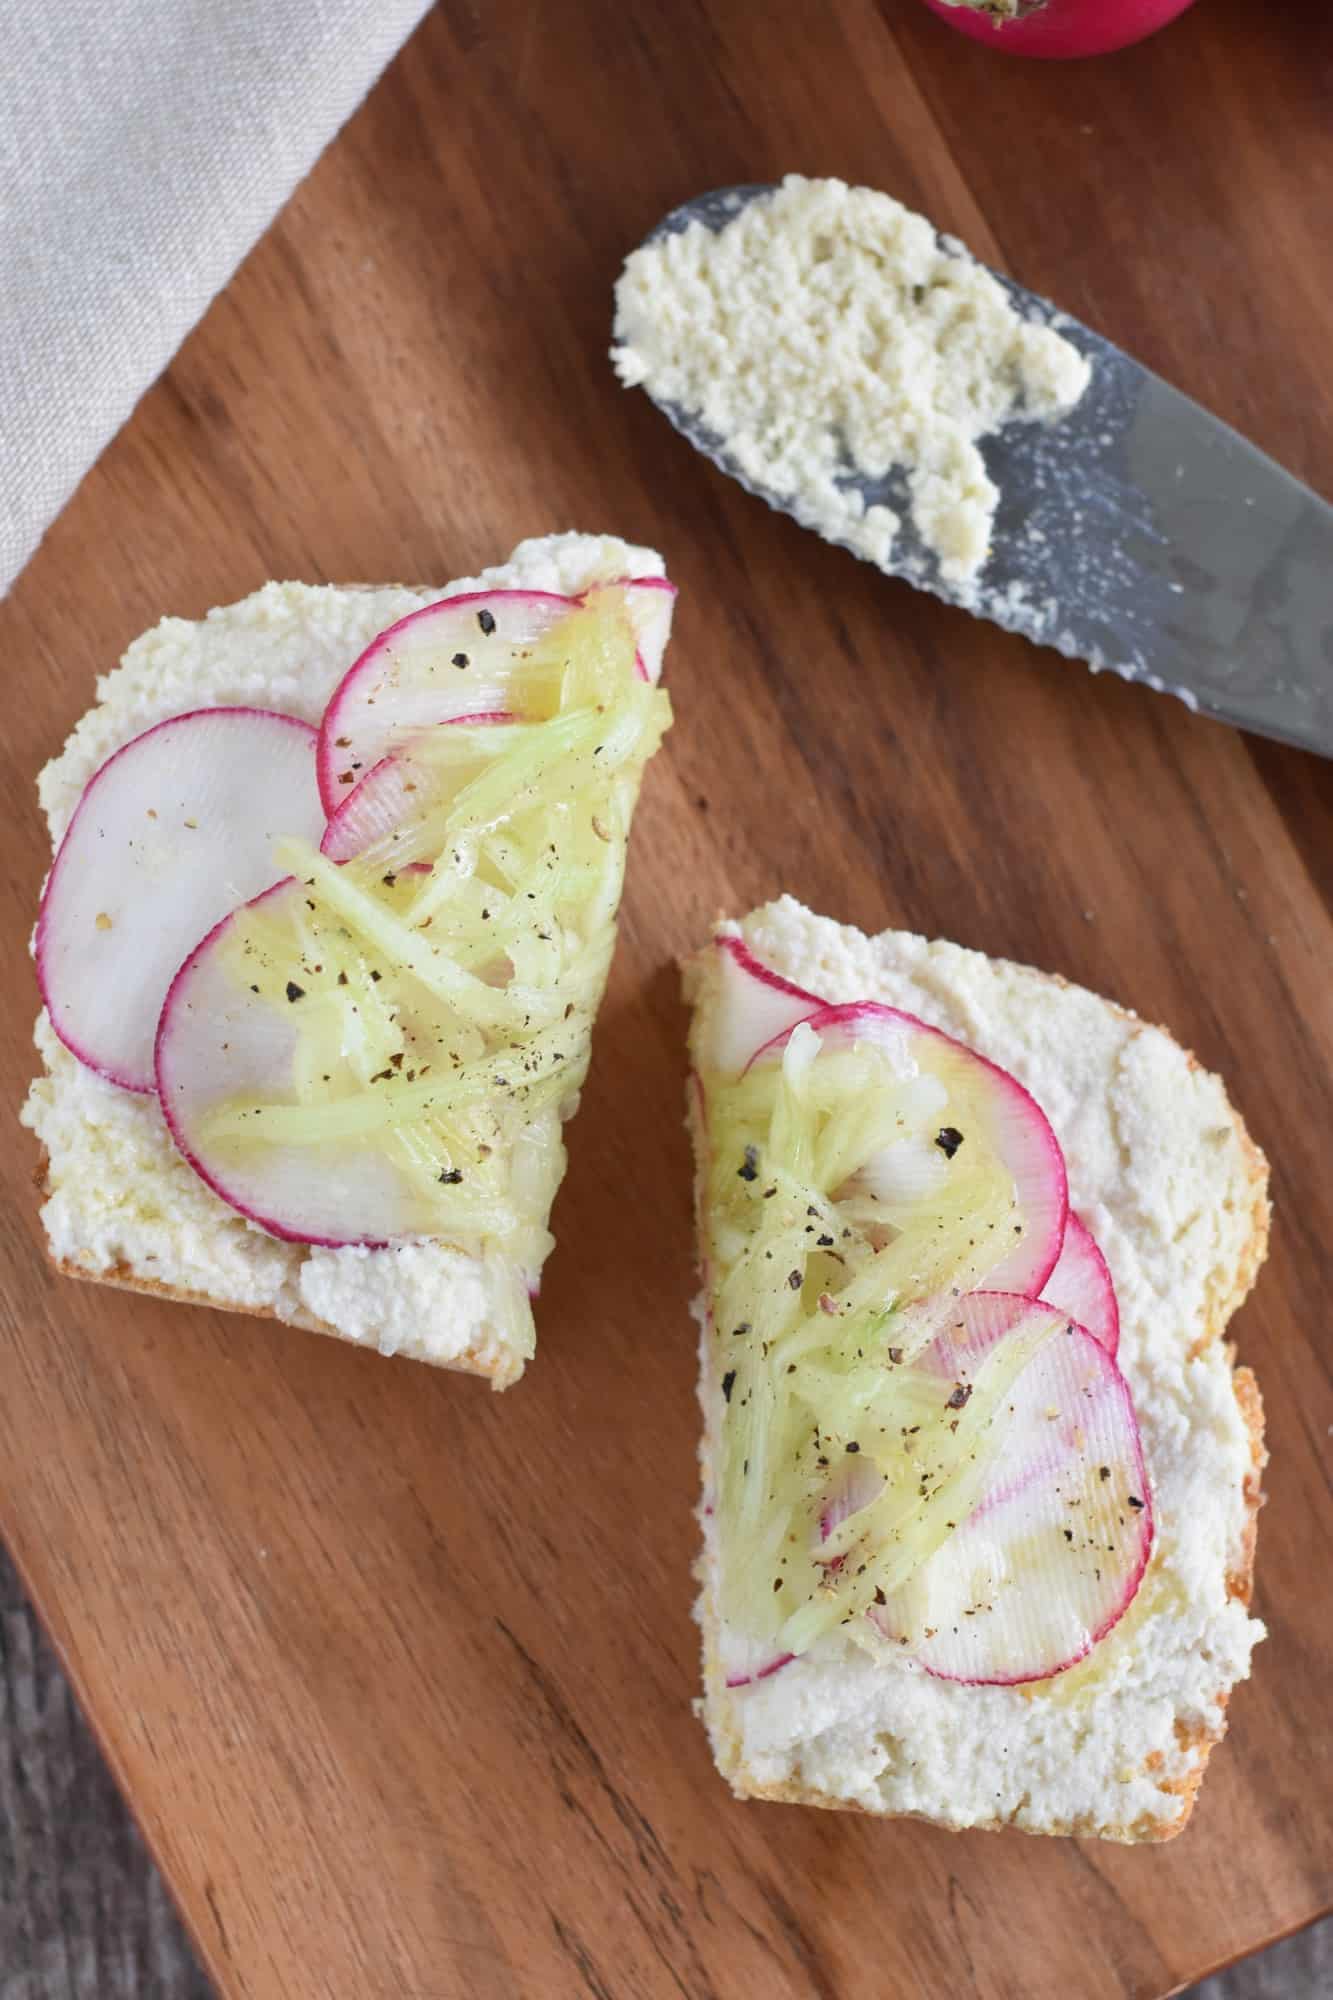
396, 1673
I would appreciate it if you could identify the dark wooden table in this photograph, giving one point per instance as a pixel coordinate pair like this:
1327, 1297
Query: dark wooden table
397, 1674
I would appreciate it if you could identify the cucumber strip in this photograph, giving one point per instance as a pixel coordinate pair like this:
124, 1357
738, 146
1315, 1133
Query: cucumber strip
403, 946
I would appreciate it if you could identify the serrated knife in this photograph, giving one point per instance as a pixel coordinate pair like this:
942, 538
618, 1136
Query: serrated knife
1138, 533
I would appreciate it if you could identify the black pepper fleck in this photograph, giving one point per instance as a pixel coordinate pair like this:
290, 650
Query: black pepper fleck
948, 1139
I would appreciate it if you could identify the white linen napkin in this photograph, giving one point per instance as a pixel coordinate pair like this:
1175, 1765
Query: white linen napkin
144, 146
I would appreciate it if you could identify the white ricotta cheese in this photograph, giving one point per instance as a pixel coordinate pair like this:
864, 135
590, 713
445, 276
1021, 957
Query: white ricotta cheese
1157, 1169
826, 335
120, 1197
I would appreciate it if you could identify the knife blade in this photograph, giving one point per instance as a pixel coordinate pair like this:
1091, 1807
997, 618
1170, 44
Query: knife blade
1138, 533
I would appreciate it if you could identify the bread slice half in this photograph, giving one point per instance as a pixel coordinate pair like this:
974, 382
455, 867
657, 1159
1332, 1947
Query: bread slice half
1165, 1174
121, 1206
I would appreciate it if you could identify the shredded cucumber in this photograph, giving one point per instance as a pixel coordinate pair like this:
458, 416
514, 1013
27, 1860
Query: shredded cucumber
847, 1460
449, 975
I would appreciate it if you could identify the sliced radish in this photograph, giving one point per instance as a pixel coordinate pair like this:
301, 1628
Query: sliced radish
1081, 1285
1051, 1555
454, 662
220, 1038
450, 661
744, 1662
651, 603
1012, 1121
173, 830
372, 810
753, 1005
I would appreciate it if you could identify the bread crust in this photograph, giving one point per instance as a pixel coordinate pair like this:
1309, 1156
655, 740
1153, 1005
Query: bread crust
123, 1277
1179, 1794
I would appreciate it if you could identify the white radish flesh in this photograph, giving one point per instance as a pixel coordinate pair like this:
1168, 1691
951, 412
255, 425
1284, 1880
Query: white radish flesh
980, 1095
458, 661
1081, 1285
317, 1151
752, 1006
373, 810
651, 604
1052, 1553
447, 661
173, 831
219, 1036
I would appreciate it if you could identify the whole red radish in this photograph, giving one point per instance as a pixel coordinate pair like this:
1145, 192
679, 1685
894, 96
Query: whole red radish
1058, 28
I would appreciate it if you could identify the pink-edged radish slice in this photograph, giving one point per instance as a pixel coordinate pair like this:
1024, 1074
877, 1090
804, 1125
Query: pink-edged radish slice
651, 604
373, 810
218, 1039
980, 1093
1051, 1555
753, 1005
448, 662
173, 831
1081, 1285
745, 1662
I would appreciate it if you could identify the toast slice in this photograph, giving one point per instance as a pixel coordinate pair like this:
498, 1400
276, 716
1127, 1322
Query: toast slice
121, 1205
1163, 1171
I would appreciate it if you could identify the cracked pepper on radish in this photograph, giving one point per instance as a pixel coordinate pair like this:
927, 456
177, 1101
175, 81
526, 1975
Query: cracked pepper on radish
916, 1442
383, 1019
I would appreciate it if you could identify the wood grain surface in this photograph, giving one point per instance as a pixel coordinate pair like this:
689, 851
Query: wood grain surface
397, 1673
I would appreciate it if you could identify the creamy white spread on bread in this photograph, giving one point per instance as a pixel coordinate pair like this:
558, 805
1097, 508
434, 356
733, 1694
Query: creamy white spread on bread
119, 1195
1160, 1172
826, 335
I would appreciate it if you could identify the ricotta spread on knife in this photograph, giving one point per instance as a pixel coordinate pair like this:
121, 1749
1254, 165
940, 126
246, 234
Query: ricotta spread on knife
825, 336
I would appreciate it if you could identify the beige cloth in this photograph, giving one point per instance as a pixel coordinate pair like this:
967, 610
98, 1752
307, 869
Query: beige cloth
144, 147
